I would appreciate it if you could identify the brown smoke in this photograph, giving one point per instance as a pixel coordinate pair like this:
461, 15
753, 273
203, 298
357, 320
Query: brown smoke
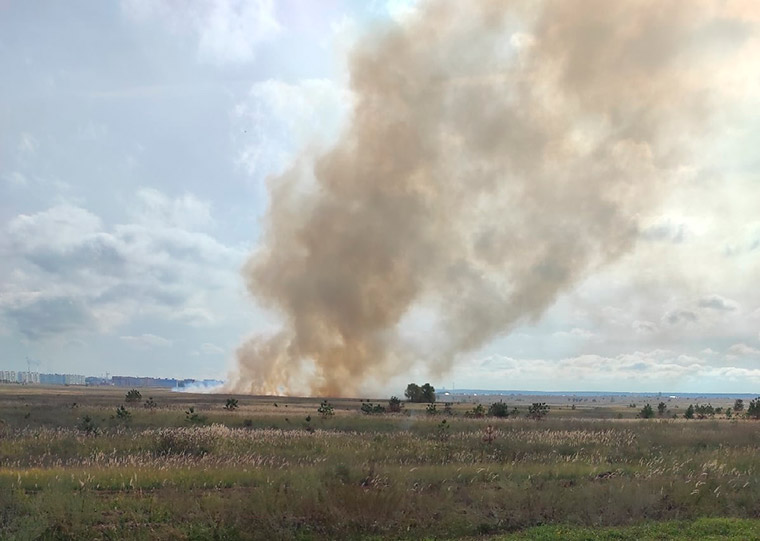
497, 153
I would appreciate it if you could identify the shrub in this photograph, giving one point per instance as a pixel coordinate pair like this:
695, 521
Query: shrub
87, 425
231, 404
443, 431
738, 405
431, 409
478, 411
753, 410
498, 409
689, 413
123, 414
133, 396
395, 404
192, 417
179, 442
325, 409
538, 410
150, 404
646, 412
370, 409
661, 409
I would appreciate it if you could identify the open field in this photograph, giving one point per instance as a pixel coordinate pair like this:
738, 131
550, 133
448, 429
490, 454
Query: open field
263, 471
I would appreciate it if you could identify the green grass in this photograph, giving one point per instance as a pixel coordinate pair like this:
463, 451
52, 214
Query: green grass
358, 476
704, 529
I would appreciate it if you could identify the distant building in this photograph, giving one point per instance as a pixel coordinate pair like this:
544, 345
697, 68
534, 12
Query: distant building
135, 382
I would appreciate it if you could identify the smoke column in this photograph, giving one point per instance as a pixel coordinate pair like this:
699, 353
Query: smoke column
497, 153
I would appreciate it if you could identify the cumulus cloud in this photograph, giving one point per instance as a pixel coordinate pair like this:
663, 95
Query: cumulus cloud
743, 350
66, 271
227, 31
716, 302
675, 317
145, 341
644, 327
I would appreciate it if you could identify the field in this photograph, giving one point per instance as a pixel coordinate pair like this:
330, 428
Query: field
71, 467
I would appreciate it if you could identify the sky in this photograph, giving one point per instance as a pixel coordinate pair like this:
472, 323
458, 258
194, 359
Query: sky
136, 139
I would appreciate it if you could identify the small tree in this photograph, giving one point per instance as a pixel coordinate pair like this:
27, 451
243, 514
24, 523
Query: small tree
123, 414
231, 404
753, 410
394, 405
325, 409
431, 409
133, 396
538, 410
428, 393
192, 417
498, 409
478, 411
689, 413
87, 425
646, 412
150, 404
372, 409
661, 409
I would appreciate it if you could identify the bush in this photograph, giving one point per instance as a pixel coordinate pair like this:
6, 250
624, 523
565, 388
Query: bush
498, 409
133, 396
538, 410
738, 405
689, 413
178, 442
753, 410
194, 418
431, 409
646, 412
370, 409
325, 409
661, 409
87, 425
123, 414
478, 411
150, 404
231, 404
394, 404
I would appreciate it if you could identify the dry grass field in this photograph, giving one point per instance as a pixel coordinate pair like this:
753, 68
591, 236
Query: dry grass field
72, 467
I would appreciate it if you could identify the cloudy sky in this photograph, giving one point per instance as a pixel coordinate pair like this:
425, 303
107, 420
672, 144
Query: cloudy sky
135, 140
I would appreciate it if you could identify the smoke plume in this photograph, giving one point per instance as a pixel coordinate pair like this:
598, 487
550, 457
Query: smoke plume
497, 153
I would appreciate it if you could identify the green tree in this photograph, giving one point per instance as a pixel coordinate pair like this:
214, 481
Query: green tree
428, 393
413, 393
150, 404
753, 410
231, 404
123, 414
498, 409
133, 396
661, 409
689, 413
738, 405
325, 409
646, 412
538, 410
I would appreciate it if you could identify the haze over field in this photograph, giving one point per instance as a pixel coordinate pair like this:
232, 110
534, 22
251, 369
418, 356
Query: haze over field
560, 197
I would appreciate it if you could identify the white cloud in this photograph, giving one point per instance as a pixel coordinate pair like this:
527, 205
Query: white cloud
574, 333
743, 350
146, 341
228, 31
27, 144
65, 271
716, 302
675, 317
